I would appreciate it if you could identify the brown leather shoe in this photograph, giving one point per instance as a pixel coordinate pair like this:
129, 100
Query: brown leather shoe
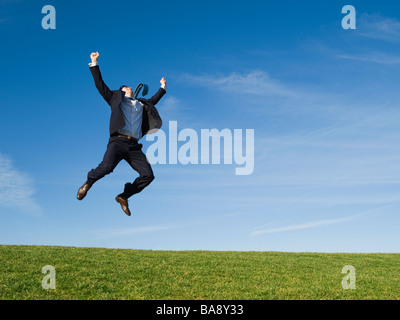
83, 191
124, 205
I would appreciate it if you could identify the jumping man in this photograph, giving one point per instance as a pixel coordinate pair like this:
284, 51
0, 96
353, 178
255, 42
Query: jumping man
130, 120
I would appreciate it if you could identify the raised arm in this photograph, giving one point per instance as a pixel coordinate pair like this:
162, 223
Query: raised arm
159, 94
103, 89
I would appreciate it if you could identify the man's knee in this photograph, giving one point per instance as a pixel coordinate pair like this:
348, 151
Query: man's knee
101, 170
149, 178
106, 168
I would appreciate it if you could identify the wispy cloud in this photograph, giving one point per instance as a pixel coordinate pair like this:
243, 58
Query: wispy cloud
172, 105
16, 188
361, 48
330, 150
307, 225
265, 94
375, 26
255, 82
116, 232
374, 57
135, 230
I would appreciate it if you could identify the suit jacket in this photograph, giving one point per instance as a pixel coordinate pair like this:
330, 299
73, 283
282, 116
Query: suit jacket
151, 119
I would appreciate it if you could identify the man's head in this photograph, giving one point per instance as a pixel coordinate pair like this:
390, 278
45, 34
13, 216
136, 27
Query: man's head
128, 90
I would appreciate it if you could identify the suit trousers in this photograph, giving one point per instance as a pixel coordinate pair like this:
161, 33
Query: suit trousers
130, 150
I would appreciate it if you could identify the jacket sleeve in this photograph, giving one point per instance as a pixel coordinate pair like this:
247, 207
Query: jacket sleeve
103, 89
159, 94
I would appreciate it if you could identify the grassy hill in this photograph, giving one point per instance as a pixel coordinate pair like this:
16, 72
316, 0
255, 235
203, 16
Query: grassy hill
95, 273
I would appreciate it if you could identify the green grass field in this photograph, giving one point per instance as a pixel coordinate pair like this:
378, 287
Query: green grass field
95, 273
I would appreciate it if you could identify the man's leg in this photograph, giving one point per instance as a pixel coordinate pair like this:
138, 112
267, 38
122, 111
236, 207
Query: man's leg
138, 161
113, 155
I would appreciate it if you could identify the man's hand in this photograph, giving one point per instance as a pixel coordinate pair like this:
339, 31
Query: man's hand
163, 82
94, 56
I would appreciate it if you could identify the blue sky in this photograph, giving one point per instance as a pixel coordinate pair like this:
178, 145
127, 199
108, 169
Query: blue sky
323, 103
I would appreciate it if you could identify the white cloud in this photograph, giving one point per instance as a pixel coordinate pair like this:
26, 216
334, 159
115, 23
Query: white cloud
157, 228
369, 26
375, 57
267, 94
256, 82
16, 188
336, 150
307, 225
170, 104
377, 27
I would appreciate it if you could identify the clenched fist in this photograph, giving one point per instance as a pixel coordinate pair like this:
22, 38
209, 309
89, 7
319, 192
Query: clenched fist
163, 81
94, 56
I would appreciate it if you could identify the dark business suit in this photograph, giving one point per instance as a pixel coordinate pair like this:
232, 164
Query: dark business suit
119, 148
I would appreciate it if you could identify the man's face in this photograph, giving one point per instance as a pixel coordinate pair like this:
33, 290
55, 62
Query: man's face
128, 91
